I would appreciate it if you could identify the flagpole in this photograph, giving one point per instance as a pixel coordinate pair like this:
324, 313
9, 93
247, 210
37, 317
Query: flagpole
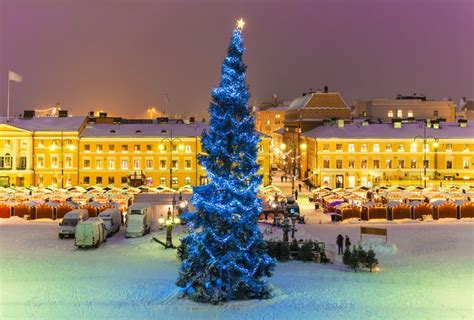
8, 99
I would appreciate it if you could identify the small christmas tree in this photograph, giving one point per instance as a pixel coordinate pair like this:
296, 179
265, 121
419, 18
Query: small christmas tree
284, 251
306, 251
346, 258
370, 260
354, 261
226, 255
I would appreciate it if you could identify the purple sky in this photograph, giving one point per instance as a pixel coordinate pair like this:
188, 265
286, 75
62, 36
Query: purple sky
122, 56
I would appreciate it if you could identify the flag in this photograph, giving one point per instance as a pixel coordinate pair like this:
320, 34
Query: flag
12, 76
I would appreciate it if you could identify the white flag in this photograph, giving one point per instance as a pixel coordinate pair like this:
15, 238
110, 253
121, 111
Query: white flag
12, 76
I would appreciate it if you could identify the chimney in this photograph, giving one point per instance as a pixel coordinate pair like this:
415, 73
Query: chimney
326, 89
191, 120
62, 113
28, 114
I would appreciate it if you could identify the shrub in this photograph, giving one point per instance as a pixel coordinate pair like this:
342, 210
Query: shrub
370, 260
284, 251
305, 253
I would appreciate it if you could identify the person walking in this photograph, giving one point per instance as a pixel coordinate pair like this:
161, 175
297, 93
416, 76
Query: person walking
296, 194
340, 244
347, 242
299, 187
281, 178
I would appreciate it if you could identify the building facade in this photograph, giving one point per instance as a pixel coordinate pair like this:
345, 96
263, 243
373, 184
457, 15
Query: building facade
365, 154
85, 151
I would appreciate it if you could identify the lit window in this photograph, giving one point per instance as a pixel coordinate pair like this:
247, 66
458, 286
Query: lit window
401, 148
388, 147
351, 164
363, 147
449, 147
388, 164
162, 181
136, 148
376, 148
390, 114
136, 164
54, 162
363, 164
40, 162
399, 113
188, 148
98, 163
326, 164
277, 116
413, 147
41, 144
410, 114
351, 148
124, 164
149, 164
99, 148
68, 162
175, 180
401, 164
465, 163
111, 163
413, 164
187, 180
376, 164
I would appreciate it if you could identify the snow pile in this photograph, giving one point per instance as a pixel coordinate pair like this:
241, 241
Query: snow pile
379, 246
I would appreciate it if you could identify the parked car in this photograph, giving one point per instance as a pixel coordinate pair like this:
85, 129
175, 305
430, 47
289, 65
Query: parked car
67, 227
90, 233
111, 219
139, 219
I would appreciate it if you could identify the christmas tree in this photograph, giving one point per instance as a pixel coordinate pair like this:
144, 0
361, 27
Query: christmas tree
226, 255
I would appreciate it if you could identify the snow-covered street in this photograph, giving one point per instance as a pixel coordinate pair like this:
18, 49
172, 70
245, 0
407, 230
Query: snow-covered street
430, 276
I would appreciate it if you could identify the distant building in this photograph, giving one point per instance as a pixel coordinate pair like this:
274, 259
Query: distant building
466, 109
270, 117
403, 107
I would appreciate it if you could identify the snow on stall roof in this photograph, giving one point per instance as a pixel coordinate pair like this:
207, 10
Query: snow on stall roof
46, 123
387, 131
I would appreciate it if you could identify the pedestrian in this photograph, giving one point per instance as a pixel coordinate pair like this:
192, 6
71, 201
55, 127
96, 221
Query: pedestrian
347, 242
340, 243
296, 194
299, 187
281, 178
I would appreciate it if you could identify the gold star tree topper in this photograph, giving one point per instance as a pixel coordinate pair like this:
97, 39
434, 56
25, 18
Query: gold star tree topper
240, 23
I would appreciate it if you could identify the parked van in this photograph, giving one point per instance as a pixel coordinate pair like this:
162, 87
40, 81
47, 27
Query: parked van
139, 218
111, 219
90, 233
67, 227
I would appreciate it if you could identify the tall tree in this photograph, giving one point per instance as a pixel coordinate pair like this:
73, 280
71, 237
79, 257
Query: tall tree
226, 255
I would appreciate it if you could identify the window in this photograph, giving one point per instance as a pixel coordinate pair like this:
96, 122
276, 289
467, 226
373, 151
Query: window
87, 180
111, 164
376, 148
187, 180
174, 148
268, 122
98, 148
40, 161
68, 162
149, 164
413, 164
410, 114
390, 114
401, 164
162, 181
376, 164
388, 164
413, 147
326, 147
435, 113
87, 163
399, 113
136, 148
449, 164
426, 163
54, 162
136, 164
124, 148
351, 148
401, 148
124, 164
98, 180
87, 147
174, 164
363, 147
24, 143
465, 163
277, 116
338, 147
188, 148
162, 164
388, 147
149, 148
111, 147
338, 164
449, 147
466, 148
162, 147
40, 143
124, 180
187, 164
22, 164
98, 163
111, 180
326, 164
426, 148
175, 180
363, 164
351, 163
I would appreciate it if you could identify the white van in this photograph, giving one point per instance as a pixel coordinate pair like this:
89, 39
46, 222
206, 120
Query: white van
139, 218
111, 219
67, 227
90, 233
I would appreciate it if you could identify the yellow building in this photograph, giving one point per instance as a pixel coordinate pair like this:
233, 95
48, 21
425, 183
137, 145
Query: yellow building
359, 153
68, 151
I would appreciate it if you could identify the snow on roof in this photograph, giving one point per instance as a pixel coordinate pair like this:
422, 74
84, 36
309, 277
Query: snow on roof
319, 100
145, 130
387, 131
46, 123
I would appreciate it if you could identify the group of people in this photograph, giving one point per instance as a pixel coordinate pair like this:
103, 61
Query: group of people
342, 242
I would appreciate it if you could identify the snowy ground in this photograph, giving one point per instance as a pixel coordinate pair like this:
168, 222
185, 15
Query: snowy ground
430, 275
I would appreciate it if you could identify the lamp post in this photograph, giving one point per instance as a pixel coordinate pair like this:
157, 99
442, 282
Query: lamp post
294, 160
61, 142
425, 138
171, 141
169, 222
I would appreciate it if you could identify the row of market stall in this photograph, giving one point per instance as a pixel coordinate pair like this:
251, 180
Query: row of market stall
392, 203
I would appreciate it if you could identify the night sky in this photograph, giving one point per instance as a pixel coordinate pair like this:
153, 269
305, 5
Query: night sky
122, 56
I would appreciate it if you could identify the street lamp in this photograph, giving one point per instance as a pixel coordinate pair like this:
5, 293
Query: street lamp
294, 160
61, 142
169, 222
425, 138
171, 141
